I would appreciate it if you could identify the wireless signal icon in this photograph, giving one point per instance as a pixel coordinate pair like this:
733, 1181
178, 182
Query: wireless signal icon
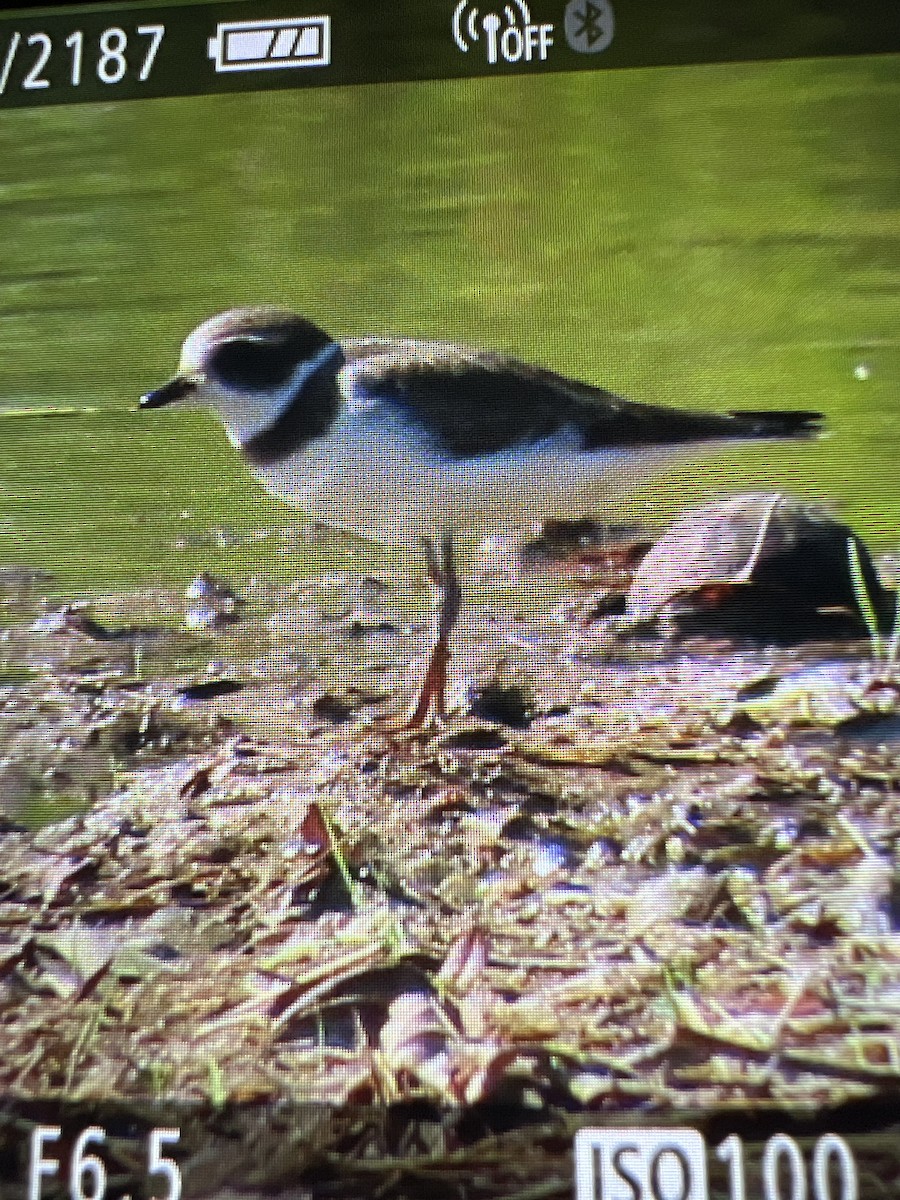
514, 39
467, 27
471, 25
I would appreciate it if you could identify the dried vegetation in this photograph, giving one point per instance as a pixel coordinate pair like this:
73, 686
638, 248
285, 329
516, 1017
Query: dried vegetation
670, 883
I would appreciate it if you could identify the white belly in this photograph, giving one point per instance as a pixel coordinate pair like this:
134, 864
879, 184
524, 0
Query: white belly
391, 487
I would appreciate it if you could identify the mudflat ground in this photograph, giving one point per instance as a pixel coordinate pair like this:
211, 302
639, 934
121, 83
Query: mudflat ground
630, 878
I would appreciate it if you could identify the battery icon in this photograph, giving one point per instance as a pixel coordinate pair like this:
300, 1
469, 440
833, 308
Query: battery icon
263, 45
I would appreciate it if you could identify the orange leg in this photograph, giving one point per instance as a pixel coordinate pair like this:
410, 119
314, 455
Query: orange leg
431, 703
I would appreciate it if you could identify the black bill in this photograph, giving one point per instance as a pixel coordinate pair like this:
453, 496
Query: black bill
175, 389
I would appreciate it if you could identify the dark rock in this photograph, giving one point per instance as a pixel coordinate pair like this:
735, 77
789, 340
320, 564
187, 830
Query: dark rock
332, 708
512, 706
475, 739
759, 564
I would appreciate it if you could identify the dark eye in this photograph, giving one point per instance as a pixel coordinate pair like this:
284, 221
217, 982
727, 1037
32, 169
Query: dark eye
251, 366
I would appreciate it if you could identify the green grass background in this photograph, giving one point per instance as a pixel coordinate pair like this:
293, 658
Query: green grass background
717, 237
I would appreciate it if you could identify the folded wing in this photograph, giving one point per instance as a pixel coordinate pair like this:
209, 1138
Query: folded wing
472, 402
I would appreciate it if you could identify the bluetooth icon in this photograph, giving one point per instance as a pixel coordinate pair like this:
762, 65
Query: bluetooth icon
589, 25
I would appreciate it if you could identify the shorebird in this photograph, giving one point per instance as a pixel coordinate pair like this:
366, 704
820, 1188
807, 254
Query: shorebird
399, 440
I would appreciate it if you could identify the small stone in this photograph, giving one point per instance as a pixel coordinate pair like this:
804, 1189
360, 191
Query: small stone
475, 739
68, 619
206, 586
211, 689
217, 603
332, 708
512, 706
204, 616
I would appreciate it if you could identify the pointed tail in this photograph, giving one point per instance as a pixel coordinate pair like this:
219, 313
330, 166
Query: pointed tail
791, 423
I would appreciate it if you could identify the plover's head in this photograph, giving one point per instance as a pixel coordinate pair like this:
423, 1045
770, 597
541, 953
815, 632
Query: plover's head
256, 367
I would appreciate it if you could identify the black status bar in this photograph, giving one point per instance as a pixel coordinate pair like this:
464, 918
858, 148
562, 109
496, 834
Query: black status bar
104, 52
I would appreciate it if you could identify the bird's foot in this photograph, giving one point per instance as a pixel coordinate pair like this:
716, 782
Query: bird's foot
411, 728
429, 712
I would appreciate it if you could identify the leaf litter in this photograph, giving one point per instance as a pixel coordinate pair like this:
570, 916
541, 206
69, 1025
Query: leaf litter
673, 889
